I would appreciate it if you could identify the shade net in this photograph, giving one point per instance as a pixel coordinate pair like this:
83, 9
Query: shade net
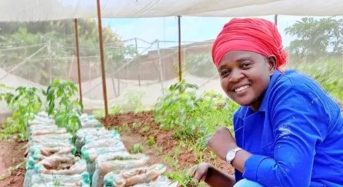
141, 56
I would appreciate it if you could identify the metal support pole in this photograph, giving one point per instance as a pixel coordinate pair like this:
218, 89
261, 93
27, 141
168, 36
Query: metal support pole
179, 46
101, 45
160, 66
275, 19
78, 58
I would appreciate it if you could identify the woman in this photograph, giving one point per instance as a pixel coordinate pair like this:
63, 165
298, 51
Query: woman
288, 131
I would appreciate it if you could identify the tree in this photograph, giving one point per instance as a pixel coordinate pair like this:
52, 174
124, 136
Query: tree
52, 42
316, 37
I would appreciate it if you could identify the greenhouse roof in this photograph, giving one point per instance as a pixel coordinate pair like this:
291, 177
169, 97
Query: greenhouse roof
40, 10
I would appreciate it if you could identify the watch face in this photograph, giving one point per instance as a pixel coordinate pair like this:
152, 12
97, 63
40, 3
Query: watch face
230, 155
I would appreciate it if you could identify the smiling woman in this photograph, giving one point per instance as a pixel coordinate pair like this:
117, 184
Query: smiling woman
288, 130
256, 68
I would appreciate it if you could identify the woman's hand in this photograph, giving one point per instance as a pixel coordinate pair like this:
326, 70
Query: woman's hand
212, 176
199, 172
221, 141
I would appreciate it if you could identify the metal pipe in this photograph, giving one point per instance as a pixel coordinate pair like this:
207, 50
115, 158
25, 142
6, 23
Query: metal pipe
78, 58
179, 46
101, 45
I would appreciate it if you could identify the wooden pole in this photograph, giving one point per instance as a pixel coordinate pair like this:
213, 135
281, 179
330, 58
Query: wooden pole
179, 46
101, 46
78, 58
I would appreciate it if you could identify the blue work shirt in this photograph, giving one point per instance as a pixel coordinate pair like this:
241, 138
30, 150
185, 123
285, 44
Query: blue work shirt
296, 135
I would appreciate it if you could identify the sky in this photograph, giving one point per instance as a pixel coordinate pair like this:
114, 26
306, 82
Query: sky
192, 28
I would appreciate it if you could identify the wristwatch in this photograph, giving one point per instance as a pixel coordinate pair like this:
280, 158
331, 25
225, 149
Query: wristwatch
231, 154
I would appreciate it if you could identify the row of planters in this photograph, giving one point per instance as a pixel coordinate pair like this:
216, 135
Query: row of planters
93, 157
69, 149
51, 159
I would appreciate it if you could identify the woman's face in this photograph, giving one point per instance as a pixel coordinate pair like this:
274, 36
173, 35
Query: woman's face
245, 76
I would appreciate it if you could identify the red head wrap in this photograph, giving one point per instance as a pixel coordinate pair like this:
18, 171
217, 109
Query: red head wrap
249, 34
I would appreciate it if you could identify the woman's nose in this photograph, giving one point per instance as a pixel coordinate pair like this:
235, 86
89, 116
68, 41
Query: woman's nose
236, 75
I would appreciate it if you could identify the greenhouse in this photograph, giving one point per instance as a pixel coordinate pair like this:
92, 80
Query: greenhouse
125, 93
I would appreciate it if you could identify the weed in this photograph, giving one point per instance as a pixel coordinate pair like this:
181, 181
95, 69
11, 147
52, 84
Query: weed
145, 129
151, 141
136, 125
171, 161
183, 179
136, 148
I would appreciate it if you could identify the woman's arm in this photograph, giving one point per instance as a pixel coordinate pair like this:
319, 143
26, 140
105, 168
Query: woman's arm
298, 121
221, 142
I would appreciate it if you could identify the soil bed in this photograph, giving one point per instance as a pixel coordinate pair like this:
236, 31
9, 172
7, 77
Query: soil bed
143, 128
12, 167
135, 128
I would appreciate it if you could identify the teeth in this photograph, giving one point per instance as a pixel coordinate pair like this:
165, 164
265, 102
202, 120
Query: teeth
241, 88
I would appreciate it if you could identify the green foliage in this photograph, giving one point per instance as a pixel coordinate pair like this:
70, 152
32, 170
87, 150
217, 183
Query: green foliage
54, 41
327, 72
24, 104
183, 179
192, 116
136, 148
200, 65
316, 37
151, 141
63, 105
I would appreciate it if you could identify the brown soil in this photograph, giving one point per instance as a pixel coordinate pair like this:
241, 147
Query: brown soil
142, 128
12, 170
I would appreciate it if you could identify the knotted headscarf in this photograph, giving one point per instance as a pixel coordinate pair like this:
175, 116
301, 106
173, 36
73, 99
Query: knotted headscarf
249, 34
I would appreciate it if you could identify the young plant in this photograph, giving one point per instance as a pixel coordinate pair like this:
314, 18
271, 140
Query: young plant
193, 116
24, 103
175, 107
63, 105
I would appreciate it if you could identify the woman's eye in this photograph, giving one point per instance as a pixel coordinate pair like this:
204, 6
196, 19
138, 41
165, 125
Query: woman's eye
224, 73
245, 66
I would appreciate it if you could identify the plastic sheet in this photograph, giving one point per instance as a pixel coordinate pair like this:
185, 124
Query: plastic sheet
89, 121
51, 138
116, 163
141, 175
78, 180
105, 142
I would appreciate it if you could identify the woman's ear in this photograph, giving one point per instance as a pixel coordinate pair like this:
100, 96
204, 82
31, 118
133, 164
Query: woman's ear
272, 64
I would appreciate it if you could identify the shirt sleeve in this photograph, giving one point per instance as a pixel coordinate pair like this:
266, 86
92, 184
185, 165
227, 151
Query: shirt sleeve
299, 122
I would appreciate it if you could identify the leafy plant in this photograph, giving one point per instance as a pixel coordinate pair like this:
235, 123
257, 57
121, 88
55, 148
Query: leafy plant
63, 105
192, 116
24, 104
